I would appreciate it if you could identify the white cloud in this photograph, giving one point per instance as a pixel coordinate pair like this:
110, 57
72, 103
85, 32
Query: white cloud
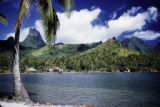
9, 35
125, 23
114, 16
23, 34
129, 23
153, 13
133, 10
145, 35
39, 27
79, 28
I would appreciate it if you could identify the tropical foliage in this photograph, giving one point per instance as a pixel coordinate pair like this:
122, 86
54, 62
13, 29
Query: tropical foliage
107, 57
5, 62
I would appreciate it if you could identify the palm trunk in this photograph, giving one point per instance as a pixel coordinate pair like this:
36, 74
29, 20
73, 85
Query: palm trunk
19, 90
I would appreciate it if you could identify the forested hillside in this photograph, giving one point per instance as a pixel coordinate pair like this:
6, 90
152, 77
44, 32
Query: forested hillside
109, 56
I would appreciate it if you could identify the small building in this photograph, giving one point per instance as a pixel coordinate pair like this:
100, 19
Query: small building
57, 69
31, 69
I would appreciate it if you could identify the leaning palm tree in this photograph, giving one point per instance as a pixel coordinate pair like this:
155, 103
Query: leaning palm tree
50, 24
3, 19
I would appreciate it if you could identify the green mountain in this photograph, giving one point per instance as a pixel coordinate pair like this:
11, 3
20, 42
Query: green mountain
58, 50
140, 45
35, 46
107, 56
33, 40
95, 56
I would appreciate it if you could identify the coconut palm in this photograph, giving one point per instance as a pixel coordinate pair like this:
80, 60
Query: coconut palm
50, 24
3, 19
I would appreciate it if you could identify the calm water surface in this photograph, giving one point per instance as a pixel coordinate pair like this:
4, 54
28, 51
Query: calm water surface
98, 89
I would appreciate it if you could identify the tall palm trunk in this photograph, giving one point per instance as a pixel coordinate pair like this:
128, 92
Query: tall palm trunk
19, 90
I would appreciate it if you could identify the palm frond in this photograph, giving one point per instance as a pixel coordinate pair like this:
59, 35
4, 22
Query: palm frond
24, 6
67, 5
3, 19
50, 20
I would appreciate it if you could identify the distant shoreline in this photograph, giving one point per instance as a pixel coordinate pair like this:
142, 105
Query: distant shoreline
61, 73
82, 72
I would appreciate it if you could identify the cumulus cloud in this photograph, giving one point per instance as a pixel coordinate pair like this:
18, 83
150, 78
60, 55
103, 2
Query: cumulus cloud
133, 11
39, 27
23, 34
79, 28
131, 21
153, 13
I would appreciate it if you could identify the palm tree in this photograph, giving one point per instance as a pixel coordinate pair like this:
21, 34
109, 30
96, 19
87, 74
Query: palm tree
3, 19
50, 25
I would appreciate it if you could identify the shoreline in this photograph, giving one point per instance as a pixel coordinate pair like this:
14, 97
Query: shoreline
80, 72
14, 103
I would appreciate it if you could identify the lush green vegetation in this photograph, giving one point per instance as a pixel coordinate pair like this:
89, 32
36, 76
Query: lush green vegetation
108, 56
5, 62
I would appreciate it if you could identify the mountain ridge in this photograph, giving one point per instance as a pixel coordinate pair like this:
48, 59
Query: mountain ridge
140, 45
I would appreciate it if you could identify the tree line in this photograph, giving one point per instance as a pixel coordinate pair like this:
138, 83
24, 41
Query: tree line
108, 57
97, 62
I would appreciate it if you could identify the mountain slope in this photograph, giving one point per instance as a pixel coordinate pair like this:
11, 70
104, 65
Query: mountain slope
140, 45
63, 50
33, 40
105, 56
111, 47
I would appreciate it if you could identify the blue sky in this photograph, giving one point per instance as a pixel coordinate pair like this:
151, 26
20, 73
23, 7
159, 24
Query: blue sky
92, 20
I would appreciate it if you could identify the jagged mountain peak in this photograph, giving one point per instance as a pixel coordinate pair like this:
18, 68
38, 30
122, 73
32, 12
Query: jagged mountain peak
33, 39
33, 32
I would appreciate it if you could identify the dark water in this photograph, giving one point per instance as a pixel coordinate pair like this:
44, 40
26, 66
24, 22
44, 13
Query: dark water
99, 89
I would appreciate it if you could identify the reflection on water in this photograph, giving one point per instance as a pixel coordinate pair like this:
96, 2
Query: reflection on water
99, 89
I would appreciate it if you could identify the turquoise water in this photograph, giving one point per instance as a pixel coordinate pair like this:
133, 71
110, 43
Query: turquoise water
98, 89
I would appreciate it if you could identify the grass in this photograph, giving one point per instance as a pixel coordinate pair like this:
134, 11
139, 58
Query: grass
126, 52
39, 52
